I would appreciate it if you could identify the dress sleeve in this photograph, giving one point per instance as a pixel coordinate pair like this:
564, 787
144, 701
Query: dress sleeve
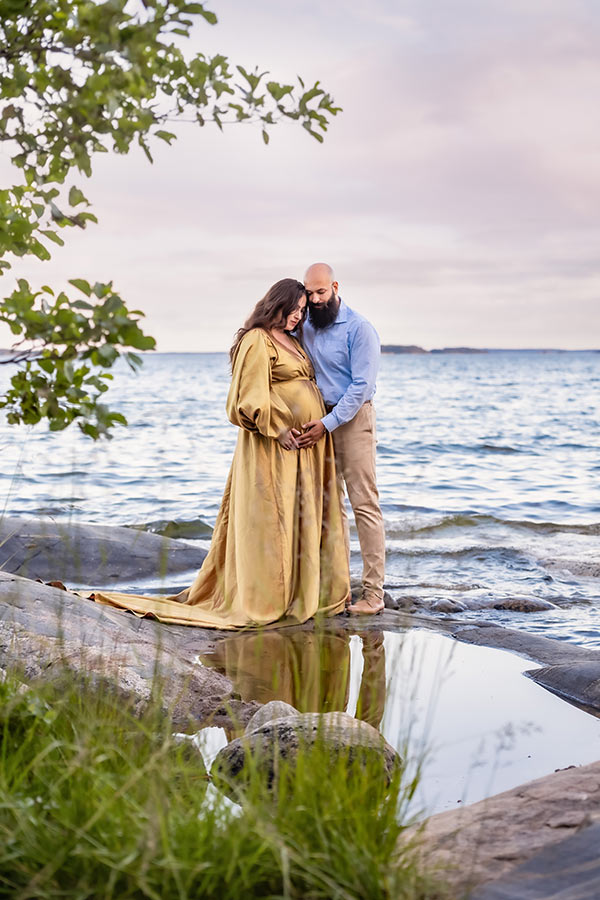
250, 403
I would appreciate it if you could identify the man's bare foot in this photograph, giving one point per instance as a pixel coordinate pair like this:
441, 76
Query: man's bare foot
369, 605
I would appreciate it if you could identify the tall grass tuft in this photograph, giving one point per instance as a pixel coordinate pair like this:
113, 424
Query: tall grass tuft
96, 802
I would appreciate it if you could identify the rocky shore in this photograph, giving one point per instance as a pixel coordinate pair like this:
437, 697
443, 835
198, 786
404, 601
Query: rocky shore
45, 628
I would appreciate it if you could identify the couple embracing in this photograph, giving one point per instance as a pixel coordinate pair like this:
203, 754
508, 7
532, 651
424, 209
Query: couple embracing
303, 378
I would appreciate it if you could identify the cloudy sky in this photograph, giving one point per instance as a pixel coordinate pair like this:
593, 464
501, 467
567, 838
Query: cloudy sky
457, 196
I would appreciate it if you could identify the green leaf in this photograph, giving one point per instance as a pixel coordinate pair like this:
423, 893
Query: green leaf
101, 290
90, 430
81, 285
265, 136
108, 354
167, 136
52, 236
145, 148
76, 197
38, 249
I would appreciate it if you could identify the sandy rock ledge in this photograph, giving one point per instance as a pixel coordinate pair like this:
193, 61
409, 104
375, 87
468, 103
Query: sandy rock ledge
44, 630
489, 840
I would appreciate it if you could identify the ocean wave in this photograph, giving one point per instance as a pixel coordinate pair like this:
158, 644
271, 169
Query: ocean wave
444, 447
473, 520
477, 550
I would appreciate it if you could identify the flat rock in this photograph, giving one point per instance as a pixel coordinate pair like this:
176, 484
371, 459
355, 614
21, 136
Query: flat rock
477, 600
45, 630
569, 870
486, 841
579, 681
523, 604
532, 646
586, 568
282, 739
91, 555
444, 605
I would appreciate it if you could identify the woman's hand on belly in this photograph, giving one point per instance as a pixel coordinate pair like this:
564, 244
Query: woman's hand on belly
288, 439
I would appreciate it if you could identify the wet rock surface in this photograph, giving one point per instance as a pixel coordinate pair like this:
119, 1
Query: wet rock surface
488, 841
586, 568
570, 871
268, 742
578, 681
94, 555
106, 556
473, 601
44, 630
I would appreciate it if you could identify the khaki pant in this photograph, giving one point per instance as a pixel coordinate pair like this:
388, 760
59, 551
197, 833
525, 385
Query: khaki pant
354, 445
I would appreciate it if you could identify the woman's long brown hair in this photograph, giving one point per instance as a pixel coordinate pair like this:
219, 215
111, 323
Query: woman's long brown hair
279, 302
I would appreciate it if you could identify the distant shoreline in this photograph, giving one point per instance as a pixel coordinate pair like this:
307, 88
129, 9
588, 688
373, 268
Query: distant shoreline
385, 348
415, 349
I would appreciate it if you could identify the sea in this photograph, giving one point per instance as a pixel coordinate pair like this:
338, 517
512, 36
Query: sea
488, 469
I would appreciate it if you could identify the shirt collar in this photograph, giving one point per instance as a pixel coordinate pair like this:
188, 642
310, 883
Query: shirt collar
342, 315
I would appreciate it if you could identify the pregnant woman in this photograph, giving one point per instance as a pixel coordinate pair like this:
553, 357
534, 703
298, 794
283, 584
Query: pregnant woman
277, 555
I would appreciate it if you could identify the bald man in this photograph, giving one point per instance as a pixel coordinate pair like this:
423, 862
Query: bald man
345, 352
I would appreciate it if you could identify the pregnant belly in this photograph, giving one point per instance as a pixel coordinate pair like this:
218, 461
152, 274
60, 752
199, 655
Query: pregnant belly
302, 398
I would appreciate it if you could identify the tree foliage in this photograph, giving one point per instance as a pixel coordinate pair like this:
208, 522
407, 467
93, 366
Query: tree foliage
78, 78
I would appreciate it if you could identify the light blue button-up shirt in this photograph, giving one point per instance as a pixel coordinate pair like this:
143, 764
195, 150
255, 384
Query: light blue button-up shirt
345, 356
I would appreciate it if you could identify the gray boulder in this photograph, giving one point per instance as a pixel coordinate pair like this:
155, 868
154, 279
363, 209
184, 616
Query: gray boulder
444, 605
274, 709
341, 736
91, 555
524, 604
577, 681
389, 601
45, 632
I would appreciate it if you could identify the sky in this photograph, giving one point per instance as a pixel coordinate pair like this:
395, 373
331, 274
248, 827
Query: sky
457, 196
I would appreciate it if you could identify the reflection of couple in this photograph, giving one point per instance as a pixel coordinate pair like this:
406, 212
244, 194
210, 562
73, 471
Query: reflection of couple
280, 549
309, 670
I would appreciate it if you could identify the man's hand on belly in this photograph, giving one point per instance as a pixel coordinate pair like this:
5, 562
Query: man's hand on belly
313, 431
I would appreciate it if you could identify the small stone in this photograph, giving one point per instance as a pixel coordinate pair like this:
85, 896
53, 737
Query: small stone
447, 606
524, 604
389, 601
275, 709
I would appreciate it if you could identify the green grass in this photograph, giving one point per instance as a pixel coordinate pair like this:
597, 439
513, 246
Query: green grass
96, 802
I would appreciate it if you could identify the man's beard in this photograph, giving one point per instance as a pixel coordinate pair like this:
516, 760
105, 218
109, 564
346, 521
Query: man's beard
324, 316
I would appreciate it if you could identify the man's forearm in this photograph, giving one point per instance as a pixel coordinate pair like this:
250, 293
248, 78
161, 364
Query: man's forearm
347, 406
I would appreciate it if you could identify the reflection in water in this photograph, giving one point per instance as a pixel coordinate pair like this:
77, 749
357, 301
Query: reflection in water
308, 670
461, 715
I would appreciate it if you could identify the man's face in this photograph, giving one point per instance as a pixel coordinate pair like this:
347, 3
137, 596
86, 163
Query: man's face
322, 300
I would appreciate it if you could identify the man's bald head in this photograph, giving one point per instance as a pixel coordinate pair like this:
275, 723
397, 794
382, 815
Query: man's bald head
321, 293
319, 271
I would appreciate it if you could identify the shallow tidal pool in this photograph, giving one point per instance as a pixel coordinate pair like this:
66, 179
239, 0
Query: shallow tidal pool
466, 715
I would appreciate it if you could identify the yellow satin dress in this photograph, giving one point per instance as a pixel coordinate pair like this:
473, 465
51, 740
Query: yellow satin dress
277, 555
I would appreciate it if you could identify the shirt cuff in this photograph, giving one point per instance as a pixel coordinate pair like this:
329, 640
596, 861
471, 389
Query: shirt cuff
330, 421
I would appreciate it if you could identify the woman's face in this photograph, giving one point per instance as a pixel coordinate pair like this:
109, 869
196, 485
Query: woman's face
295, 317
